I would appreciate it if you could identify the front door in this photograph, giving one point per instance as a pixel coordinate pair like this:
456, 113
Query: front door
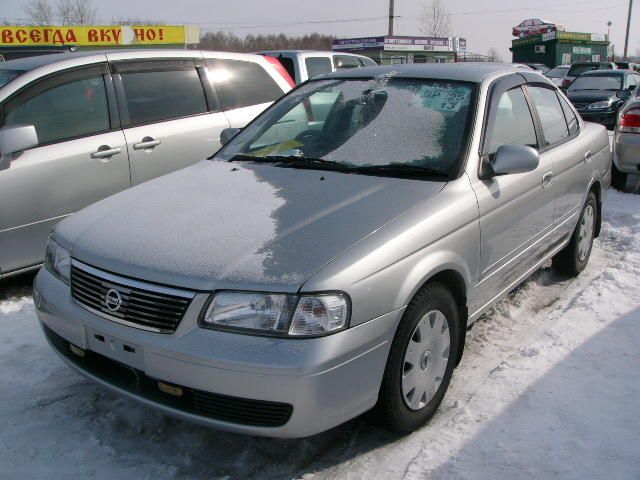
517, 210
81, 158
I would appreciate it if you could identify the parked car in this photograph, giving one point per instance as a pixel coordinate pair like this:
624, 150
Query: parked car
305, 64
78, 128
597, 95
558, 74
627, 141
284, 287
535, 26
578, 68
540, 67
629, 66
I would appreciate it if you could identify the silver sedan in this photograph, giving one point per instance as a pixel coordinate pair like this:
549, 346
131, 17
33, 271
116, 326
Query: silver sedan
329, 258
627, 141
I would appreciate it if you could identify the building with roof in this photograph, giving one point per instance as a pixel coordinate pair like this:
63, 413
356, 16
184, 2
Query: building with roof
398, 49
560, 48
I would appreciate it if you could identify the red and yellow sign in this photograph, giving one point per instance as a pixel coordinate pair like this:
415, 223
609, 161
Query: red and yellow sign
98, 36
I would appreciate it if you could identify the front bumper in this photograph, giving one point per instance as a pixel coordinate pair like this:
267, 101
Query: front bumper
325, 381
627, 152
606, 118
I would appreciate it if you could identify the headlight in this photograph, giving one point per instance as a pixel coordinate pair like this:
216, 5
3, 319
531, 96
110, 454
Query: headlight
599, 105
278, 314
58, 261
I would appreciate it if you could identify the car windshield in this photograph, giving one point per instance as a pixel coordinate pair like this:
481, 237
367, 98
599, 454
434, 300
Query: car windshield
576, 70
7, 75
597, 83
380, 125
557, 72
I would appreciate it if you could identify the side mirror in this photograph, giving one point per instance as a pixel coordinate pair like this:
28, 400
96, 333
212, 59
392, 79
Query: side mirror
510, 159
227, 134
623, 94
13, 139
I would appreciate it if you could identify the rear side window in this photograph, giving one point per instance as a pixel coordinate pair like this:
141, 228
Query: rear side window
160, 91
572, 120
61, 107
510, 123
554, 126
242, 84
317, 66
346, 61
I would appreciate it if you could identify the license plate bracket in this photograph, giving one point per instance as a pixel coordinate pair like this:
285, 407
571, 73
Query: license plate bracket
122, 351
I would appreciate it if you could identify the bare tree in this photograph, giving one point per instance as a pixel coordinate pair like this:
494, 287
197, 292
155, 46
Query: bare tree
435, 20
494, 55
135, 21
228, 42
75, 12
39, 12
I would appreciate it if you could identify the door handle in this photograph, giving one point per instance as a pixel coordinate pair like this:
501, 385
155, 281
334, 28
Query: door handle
587, 157
547, 179
146, 143
105, 151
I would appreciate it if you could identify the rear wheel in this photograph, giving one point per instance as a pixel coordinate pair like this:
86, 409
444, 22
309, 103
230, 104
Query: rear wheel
575, 256
421, 361
618, 178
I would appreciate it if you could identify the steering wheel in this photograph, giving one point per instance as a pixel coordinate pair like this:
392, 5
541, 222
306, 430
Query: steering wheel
309, 136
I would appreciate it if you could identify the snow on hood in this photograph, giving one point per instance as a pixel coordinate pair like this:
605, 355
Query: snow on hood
236, 225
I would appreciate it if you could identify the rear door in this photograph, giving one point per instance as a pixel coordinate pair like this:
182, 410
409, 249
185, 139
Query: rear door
81, 158
171, 117
573, 167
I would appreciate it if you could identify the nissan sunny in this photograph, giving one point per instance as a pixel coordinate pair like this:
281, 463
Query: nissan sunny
329, 258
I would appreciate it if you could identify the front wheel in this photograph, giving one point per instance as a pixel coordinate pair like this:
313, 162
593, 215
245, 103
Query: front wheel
421, 360
574, 257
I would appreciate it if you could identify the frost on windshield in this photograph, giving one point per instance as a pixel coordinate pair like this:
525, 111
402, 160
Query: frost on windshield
419, 123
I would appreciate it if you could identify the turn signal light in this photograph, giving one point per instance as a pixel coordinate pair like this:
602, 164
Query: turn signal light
630, 121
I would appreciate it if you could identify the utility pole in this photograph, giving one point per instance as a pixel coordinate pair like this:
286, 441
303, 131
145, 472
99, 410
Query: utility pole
392, 17
626, 38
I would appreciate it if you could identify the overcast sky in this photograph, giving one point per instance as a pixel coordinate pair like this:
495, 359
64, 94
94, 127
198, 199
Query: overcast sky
485, 23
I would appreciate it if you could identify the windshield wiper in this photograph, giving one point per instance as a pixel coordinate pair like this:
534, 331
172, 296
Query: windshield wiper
400, 170
295, 162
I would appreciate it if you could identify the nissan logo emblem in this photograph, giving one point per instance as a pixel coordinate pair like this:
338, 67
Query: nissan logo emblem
113, 300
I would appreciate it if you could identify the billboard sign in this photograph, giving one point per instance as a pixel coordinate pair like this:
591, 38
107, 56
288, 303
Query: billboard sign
397, 43
97, 36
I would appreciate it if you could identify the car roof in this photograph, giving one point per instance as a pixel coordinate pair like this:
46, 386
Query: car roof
464, 72
307, 52
31, 63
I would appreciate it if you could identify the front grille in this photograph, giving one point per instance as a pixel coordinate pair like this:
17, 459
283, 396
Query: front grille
581, 106
132, 303
242, 411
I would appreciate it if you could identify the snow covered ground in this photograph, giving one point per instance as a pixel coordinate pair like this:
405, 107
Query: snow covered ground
549, 387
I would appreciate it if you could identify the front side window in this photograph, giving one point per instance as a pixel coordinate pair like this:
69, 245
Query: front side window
510, 123
597, 82
242, 84
317, 66
554, 125
159, 92
66, 106
363, 125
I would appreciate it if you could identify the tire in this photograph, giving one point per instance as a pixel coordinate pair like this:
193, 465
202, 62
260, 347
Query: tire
416, 343
618, 178
574, 257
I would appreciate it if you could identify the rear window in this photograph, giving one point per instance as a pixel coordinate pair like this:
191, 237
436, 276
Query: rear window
242, 84
580, 68
557, 72
160, 92
597, 82
7, 75
317, 66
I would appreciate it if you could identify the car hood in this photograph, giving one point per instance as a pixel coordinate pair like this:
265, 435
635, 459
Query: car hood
236, 225
590, 96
